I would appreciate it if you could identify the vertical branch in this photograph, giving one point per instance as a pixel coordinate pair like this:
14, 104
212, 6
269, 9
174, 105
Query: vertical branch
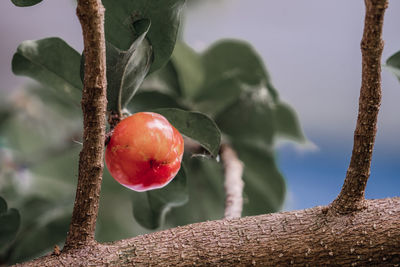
233, 182
94, 101
352, 195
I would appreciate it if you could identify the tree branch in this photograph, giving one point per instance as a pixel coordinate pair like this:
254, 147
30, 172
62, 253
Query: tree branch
312, 237
233, 182
94, 101
351, 196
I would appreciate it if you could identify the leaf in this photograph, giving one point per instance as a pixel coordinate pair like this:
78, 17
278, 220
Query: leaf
233, 58
52, 62
189, 67
150, 208
126, 70
165, 19
264, 190
218, 96
23, 3
393, 64
10, 221
149, 100
196, 126
206, 191
250, 118
164, 80
287, 124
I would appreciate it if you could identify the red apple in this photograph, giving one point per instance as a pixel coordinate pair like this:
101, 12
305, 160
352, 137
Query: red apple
145, 152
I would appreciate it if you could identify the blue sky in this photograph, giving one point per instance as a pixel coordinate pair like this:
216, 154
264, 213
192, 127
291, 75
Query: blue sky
311, 49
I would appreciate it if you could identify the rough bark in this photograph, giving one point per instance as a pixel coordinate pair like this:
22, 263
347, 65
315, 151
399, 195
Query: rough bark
351, 196
350, 231
94, 101
233, 182
311, 237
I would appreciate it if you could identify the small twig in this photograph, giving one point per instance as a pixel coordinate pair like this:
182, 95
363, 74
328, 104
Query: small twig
233, 182
351, 196
94, 102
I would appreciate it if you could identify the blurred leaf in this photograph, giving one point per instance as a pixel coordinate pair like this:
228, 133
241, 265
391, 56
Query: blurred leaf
52, 62
149, 100
393, 64
218, 96
23, 3
233, 58
150, 208
196, 126
250, 118
165, 19
164, 80
287, 124
206, 193
127, 69
189, 67
42, 239
265, 188
10, 221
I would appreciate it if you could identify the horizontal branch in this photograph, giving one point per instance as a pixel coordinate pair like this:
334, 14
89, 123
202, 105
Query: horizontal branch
313, 236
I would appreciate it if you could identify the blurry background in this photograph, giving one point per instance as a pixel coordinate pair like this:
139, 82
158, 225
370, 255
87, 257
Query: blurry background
311, 49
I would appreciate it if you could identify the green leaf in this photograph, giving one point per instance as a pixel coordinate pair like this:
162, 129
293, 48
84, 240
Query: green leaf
206, 191
393, 64
287, 124
126, 70
218, 96
250, 118
165, 19
52, 62
23, 3
10, 221
149, 100
189, 67
196, 126
150, 208
164, 80
264, 190
233, 58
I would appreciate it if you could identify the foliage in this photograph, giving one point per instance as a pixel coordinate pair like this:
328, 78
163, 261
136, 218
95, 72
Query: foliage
393, 64
223, 94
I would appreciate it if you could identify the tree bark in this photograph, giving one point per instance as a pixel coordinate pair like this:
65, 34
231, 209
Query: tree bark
350, 231
94, 102
351, 196
313, 237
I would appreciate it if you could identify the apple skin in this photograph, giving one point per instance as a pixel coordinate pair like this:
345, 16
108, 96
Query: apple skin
145, 152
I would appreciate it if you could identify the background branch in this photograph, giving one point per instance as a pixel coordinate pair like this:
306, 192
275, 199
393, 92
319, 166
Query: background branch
233, 182
352, 194
94, 101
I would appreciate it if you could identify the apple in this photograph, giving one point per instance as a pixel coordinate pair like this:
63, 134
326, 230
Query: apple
145, 152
